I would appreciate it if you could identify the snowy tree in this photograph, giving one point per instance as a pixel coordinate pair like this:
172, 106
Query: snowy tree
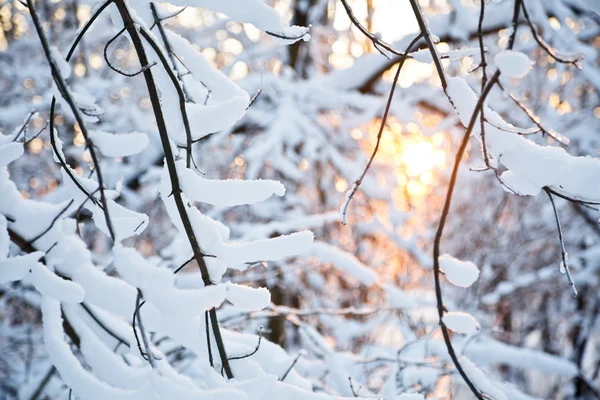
272, 200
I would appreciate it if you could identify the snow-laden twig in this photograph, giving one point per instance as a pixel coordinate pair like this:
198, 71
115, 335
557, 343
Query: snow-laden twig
175, 79
65, 92
174, 178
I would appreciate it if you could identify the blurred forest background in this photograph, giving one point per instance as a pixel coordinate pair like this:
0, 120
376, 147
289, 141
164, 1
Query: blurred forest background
362, 299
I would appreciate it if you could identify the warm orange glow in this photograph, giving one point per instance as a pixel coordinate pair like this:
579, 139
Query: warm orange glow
418, 157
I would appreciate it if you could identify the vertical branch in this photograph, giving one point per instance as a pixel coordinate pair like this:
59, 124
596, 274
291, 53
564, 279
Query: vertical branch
137, 317
358, 182
440, 230
483, 65
459, 155
179, 86
427, 35
64, 90
170, 161
563, 251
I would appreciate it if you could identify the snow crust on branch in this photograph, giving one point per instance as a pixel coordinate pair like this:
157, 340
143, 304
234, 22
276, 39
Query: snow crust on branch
459, 273
534, 166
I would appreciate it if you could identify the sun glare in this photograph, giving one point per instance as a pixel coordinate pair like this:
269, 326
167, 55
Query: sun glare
418, 157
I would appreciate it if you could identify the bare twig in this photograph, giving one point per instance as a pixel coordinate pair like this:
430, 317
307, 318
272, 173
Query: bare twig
138, 318
291, 366
574, 60
354, 392
176, 84
358, 182
563, 251
53, 221
440, 230
483, 65
24, 126
118, 70
378, 43
536, 120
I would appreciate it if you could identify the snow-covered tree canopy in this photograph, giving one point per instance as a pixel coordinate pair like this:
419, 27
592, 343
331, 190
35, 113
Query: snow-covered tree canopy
300, 199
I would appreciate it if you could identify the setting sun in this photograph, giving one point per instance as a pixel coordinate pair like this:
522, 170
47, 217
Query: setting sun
418, 157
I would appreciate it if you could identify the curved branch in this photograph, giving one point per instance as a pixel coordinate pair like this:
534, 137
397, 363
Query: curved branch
378, 43
358, 182
176, 83
440, 230
87, 26
118, 70
563, 251
547, 48
63, 88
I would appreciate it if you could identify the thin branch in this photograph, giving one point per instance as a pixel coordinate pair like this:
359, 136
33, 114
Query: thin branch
423, 27
158, 19
116, 69
378, 43
24, 126
170, 52
358, 182
253, 99
171, 168
536, 120
59, 157
574, 60
572, 199
37, 134
286, 37
87, 26
563, 251
53, 221
103, 326
176, 84
483, 65
291, 366
137, 316
208, 344
354, 392
253, 352
440, 230
63, 88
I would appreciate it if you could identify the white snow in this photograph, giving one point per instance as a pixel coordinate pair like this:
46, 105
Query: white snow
10, 152
410, 396
540, 165
344, 262
4, 238
119, 145
158, 286
226, 193
513, 64
255, 12
63, 67
49, 284
479, 378
461, 322
248, 298
518, 184
15, 268
459, 273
